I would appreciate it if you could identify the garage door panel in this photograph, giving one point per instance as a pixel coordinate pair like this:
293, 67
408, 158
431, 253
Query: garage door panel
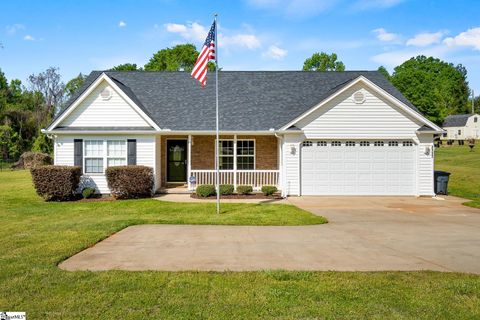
358, 170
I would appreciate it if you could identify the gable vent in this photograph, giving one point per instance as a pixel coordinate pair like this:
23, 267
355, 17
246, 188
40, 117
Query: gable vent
106, 94
359, 97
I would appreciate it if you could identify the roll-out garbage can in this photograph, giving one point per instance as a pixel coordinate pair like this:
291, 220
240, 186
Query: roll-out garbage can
441, 182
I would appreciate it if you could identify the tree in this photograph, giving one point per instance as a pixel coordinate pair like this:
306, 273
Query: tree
435, 87
384, 71
182, 57
125, 67
323, 62
73, 85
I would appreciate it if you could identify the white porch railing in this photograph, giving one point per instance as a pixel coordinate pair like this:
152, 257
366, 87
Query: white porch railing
255, 178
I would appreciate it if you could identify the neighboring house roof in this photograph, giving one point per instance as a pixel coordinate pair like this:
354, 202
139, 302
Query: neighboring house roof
248, 100
457, 120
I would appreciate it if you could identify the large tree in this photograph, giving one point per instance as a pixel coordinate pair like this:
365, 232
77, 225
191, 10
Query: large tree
323, 62
73, 85
126, 67
182, 57
435, 87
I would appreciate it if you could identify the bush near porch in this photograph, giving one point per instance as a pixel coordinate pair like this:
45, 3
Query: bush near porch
37, 235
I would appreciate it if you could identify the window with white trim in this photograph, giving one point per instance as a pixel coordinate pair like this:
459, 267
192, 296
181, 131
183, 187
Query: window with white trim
96, 158
393, 143
336, 143
378, 143
407, 143
364, 143
245, 154
350, 143
93, 156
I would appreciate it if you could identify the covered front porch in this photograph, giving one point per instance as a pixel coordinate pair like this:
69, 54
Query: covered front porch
187, 161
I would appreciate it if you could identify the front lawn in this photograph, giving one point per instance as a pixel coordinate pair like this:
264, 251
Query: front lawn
35, 236
464, 167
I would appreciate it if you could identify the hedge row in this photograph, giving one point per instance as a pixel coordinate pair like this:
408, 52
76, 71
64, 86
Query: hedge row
56, 183
127, 182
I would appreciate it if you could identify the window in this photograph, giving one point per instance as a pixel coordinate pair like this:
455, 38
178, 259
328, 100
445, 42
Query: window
322, 143
350, 143
364, 143
336, 143
378, 143
393, 143
116, 153
407, 143
93, 156
225, 155
245, 154
307, 144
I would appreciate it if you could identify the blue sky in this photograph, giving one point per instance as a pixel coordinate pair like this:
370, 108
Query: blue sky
80, 36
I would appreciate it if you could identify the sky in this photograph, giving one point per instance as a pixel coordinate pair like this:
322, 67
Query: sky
81, 36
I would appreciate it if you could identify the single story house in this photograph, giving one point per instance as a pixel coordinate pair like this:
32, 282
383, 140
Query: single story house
308, 133
461, 127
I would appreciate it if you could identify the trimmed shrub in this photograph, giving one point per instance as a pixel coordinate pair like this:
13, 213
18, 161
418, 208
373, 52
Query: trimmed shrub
244, 189
226, 189
56, 183
269, 190
205, 190
88, 192
130, 182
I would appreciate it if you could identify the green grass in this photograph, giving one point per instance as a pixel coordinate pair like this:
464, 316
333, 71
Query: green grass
464, 167
35, 236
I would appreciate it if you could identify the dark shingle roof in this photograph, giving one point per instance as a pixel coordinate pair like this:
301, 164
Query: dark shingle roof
457, 120
249, 100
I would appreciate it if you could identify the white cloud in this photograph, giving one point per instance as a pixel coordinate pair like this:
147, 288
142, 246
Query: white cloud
197, 32
425, 39
385, 36
469, 38
11, 30
275, 52
375, 4
29, 38
122, 24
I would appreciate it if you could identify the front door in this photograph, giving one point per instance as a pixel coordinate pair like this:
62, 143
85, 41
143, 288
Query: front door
176, 160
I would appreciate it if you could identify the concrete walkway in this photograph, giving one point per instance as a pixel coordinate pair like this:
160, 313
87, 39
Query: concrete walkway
364, 234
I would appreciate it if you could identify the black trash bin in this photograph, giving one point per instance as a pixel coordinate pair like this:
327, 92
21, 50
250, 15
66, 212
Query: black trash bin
441, 182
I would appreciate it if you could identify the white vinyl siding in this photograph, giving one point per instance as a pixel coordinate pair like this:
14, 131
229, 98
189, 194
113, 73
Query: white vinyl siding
145, 154
96, 112
342, 118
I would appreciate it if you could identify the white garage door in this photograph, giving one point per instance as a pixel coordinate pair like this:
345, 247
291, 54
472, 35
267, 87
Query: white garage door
358, 168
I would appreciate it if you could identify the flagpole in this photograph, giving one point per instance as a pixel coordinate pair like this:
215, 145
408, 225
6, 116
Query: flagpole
217, 165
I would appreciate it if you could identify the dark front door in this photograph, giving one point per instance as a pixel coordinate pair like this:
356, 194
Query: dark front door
176, 160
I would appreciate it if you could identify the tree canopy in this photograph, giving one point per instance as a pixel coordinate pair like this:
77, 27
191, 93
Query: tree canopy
182, 57
435, 87
323, 62
126, 67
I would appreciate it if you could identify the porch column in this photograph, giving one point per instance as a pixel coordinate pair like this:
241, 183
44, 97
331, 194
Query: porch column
235, 162
189, 161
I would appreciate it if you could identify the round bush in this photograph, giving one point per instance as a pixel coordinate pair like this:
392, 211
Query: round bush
244, 189
88, 192
205, 190
269, 190
226, 189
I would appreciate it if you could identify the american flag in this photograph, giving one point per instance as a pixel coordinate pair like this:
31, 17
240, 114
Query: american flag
207, 54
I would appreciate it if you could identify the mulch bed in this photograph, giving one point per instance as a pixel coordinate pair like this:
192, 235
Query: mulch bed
275, 196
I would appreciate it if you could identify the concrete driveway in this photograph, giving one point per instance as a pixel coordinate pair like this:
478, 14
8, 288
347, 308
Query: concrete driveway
363, 234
